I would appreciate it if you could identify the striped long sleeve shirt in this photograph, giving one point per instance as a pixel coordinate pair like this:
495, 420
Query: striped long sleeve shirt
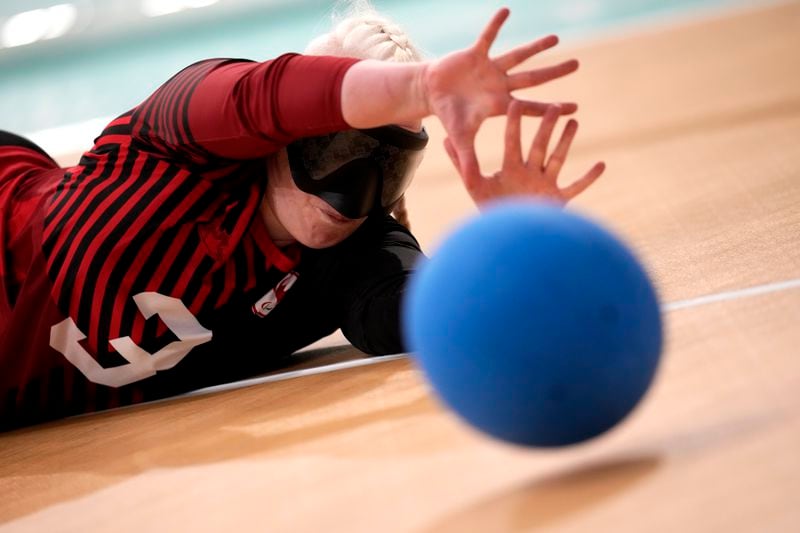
146, 269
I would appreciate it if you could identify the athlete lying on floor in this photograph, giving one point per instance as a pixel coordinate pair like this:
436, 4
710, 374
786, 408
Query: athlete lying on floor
242, 212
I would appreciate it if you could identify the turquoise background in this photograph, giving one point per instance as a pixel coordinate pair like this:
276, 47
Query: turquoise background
56, 83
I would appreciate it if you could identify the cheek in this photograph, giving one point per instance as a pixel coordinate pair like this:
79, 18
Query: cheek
322, 234
313, 229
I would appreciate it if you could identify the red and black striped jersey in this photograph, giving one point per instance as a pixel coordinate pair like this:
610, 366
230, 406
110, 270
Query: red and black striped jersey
156, 263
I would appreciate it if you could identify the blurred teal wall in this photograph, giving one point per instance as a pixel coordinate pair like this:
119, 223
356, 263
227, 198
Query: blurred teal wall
120, 57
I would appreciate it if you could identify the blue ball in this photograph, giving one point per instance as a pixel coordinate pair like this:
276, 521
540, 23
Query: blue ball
535, 325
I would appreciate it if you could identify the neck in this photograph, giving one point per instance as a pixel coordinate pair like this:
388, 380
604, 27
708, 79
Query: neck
276, 230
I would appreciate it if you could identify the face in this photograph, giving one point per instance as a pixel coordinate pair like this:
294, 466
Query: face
292, 215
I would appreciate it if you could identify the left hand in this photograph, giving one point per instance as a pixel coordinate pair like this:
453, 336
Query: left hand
537, 176
466, 87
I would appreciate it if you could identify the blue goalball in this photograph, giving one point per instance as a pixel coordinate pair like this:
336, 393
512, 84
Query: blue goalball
535, 325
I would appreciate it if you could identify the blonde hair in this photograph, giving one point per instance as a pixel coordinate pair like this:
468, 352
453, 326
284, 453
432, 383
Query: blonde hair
365, 34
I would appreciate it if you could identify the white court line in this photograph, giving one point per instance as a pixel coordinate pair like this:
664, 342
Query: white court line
733, 295
295, 374
673, 306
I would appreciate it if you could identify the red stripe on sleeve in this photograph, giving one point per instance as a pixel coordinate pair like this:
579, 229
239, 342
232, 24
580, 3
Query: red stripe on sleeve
120, 121
249, 253
171, 104
283, 260
160, 120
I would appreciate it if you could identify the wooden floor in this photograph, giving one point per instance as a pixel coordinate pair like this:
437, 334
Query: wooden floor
700, 126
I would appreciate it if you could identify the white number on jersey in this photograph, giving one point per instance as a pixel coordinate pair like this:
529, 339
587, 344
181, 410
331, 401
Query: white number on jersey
65, 337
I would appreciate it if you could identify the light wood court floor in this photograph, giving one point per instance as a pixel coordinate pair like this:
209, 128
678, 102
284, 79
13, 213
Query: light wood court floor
699, 123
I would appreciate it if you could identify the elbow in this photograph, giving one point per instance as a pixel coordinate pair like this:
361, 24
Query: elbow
373, 324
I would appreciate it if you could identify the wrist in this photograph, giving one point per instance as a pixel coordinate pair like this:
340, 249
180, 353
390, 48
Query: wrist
422, 92
375, 93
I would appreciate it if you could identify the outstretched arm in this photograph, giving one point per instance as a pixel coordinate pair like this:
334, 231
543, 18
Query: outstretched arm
462, 88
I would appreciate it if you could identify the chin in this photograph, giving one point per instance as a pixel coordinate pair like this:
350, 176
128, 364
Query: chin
324, 239
320, 230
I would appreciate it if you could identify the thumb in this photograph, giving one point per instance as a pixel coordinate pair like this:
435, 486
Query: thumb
466, 163
451, 152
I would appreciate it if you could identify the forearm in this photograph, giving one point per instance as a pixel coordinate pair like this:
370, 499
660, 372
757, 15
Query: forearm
376, 93
373, 324
373, 280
